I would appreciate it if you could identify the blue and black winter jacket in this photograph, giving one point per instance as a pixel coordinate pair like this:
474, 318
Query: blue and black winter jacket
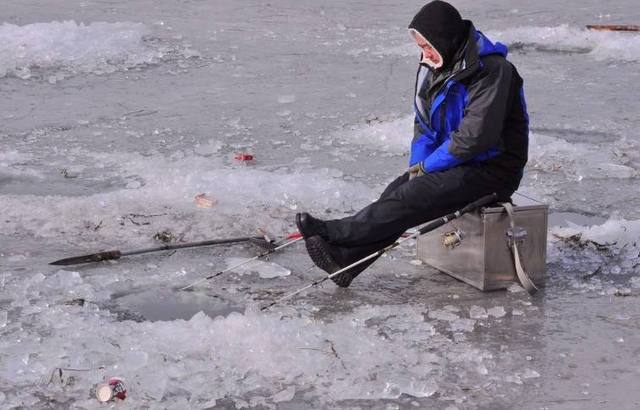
472, 112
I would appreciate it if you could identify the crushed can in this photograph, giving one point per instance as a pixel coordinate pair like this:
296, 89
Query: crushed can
112, 389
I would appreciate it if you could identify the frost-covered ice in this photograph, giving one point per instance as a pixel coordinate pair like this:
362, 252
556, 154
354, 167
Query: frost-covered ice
68, 47
497, 311
618, 232
265, 270
166, 188
387, 135
602, 45
112, 123
565, 38
444, 315
477, 312
242, 351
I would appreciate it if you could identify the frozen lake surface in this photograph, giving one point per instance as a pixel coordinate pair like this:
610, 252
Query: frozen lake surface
115, 115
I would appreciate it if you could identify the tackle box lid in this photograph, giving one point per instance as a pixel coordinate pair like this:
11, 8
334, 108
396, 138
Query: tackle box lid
520, 202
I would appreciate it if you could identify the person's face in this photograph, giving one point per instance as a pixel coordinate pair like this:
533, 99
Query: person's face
430, 55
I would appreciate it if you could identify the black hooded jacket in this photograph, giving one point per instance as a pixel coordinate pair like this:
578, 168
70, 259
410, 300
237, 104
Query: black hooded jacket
472, 110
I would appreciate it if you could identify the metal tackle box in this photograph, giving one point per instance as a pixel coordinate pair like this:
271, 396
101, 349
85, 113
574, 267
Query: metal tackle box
477, 247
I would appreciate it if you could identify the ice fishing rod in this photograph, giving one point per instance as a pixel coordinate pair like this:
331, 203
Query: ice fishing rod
295, 237
430, 226
263, 241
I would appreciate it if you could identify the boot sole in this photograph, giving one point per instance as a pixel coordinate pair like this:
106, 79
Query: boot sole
322, 258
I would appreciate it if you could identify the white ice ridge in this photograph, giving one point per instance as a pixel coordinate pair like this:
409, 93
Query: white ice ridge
547, 153
244, 197
602, 45
579, 160
97, 47
618, 231
370, 353
390, 136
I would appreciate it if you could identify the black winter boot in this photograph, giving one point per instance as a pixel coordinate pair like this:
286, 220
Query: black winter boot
309, 226
321, 254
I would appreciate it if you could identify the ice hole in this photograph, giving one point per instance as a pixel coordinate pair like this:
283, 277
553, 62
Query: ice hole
167, 305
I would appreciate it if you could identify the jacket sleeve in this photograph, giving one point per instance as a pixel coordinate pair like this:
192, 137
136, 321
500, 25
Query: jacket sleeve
481, 127
422, 145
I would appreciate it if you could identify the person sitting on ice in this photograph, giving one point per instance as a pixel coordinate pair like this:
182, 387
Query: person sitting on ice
470, 139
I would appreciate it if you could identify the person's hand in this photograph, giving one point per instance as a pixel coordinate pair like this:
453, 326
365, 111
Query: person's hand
415, 171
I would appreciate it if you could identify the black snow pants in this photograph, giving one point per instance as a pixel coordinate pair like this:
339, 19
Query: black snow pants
407, 203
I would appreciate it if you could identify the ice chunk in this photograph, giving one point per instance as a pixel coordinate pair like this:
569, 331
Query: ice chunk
515, 288
616, 171
563, 38
133, 184
35, 279
443, 315
64, 279
136, 359
95, 48
3, 318
427, 389
386, 134
209, 148
168, 186
530, 374
513, 379
391, 391
497, 311
619, 231
463, 325
153, 384
601, 45
16, 258
477, 312
265, 270
285, 395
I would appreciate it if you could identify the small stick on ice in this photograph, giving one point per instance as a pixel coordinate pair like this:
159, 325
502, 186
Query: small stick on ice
613, 27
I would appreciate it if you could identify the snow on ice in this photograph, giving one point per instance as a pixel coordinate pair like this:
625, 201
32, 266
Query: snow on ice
65, 48
601, 45
265, 270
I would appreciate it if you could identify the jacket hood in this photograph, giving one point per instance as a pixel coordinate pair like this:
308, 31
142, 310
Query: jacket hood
441, 25
486, 47
477, 45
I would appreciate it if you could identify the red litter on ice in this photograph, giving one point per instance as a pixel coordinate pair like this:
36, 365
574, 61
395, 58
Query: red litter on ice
244, 157
114, 388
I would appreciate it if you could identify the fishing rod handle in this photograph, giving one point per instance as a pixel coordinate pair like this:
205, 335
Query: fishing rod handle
485, 200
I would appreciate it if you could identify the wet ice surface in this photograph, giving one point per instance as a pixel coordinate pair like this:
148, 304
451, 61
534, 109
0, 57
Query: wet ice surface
117, 115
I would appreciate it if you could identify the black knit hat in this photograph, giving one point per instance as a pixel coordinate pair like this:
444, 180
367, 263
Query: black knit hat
440, 23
